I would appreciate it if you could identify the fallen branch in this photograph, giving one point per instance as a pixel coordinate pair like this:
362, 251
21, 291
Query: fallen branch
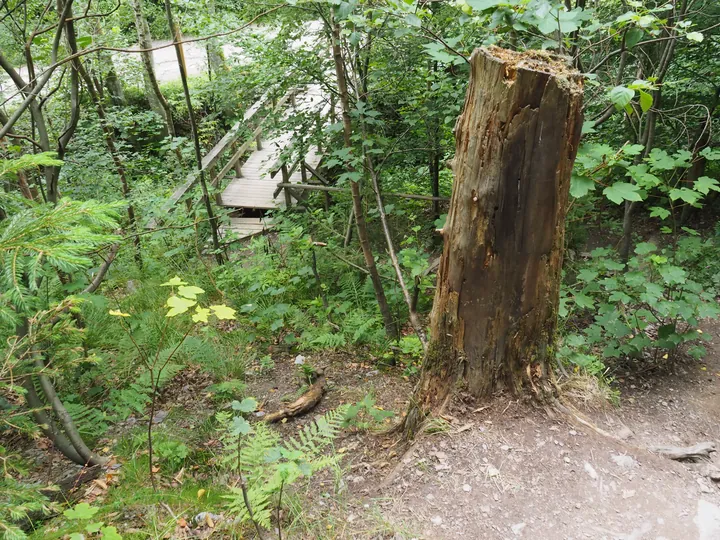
687, 453
305, 403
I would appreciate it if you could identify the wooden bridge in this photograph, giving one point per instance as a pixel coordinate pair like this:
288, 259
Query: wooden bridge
250, 173
251, 185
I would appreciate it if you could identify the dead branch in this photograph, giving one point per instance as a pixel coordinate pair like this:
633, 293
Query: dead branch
304, 404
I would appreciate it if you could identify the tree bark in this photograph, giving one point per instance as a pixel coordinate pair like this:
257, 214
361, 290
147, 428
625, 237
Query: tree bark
495, 311
157, 100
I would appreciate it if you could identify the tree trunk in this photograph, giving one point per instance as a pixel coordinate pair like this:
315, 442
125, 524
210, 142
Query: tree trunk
158, 103
390, 327
495, 311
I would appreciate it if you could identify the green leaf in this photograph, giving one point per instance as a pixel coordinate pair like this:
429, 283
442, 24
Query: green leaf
482, 5
174, 282
83, 41
711, 154
413, 20
239, 426
643, 248
686, 194
94, 527
673, 275
704, 184
178, 305
110, 533
622, 191
660, 160
621, 96
583, 301
223, 312
633, 36
201, 314
695, 36
646, 101
633, 149
587, 275
580, 186
656, 211
81, 511
247, 405
76, 536
189, 291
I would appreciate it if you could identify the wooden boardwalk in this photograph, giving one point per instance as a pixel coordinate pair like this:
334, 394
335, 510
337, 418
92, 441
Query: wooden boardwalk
256, 188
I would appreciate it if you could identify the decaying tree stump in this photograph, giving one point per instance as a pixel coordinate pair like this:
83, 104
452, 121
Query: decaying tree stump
494, 316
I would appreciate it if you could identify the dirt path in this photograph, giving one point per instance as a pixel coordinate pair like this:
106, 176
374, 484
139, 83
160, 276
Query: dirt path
509, 471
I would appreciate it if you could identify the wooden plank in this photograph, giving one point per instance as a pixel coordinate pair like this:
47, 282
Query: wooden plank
246, 227
315, 187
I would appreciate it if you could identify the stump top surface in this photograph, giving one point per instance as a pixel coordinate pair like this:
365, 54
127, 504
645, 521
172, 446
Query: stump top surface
533, 60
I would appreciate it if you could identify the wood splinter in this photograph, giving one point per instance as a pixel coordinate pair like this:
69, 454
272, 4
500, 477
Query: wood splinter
304, 404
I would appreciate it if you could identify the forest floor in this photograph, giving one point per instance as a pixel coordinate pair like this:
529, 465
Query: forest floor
495, 470
507, 470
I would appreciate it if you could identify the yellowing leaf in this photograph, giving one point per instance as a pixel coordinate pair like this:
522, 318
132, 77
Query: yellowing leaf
703, 368
201, 314
118, 313
665, 356
699, 331
174, 282
200, 493
223, 312
178, 305
189, 291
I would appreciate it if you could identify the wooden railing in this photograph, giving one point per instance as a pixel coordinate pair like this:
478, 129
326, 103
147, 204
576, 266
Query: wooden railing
229, 141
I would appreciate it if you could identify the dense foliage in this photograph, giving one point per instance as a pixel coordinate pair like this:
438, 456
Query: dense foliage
94, 327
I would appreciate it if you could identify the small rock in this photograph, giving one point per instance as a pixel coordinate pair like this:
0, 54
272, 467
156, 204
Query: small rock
159, 417
436, 520
358, 479
517, 528
467, 488
299, 360
625, 433
591, 471
627, 493
712, 472
485, 509
373, 372
566, 459
704, 488
492, 471
441, 456
260, 414
624, 461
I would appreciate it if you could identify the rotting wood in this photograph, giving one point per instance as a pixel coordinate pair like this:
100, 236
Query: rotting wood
495, 309
685, 453
305, 403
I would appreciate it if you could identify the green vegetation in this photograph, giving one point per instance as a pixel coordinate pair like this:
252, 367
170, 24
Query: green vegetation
125, 343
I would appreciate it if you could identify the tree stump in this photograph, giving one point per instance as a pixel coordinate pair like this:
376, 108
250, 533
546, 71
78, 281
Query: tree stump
495, 311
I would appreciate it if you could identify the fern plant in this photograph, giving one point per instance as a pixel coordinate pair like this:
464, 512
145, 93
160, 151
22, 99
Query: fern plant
266, 464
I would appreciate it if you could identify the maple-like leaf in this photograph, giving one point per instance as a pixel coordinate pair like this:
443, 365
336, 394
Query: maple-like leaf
178, 305
174, 282
201, 314
189, 291
223, 312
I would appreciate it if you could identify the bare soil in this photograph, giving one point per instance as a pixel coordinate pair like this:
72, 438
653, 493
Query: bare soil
505, 470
